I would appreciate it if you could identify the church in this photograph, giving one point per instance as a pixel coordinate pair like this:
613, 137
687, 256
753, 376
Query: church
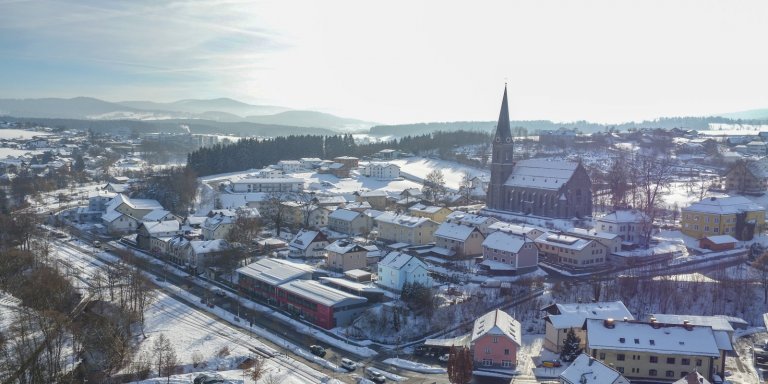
540, 187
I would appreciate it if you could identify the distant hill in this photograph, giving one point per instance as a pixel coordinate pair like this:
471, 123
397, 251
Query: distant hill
752, 114
75, 108
313, 119
196, 106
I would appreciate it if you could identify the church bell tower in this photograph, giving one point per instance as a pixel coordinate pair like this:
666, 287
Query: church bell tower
501, 158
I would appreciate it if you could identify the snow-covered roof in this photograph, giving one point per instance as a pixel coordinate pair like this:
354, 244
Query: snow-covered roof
573, 314
504, 242
111, 215
374, 193
402, 220
722, 239
207, 246
624, 216
588, 370
514, 228
592, 234
143, 204
155, 227
397, 260
321, 294
667, 339
497, 265
541, 173
273, 272
355, 286
718, 323
499, 323
344, 246
362, 205
469, 219
304, 239
344, 214
563, 241
454, 231
425, 208
157, 214
723, 205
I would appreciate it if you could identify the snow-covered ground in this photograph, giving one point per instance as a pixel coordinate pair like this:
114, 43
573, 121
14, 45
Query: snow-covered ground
414, 366
11, 152
452, 172
20, 134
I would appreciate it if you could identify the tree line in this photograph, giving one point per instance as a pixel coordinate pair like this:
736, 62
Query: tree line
257, 153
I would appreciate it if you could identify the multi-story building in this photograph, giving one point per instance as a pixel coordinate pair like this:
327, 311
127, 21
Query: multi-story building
349, 222
496, 338
508, 254
561, 318
308, 244
284, 184
653, 351
630, 224
344, 255
736, 216
482, 223
571, 252
464, 240
436, 214
748, 177
405, 229
397, 269
381, 171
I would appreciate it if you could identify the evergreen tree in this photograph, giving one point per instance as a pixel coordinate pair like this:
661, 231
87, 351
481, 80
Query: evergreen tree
571, 347
459, 365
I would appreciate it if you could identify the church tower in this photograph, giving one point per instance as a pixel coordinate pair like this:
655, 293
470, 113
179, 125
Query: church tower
501, 158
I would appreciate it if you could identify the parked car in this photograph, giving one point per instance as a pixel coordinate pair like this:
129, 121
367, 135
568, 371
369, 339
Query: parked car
375, 376
96, 244
219, 292
443, 358
317, 350
348, 364
550, 363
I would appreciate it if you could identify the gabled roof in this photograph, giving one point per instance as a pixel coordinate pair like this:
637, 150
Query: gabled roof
588, 370
344, 214
667, 339
425, 208
573, 314
504, 242
157, 214
166, 226
624, 216
455, 231
397, 260
402, 220
344, 246
469, 219
200, 247
499, 323
322, 294
541, 173
305, 238
693, 378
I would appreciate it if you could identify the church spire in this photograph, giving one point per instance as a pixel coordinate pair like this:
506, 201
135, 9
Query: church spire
503, 132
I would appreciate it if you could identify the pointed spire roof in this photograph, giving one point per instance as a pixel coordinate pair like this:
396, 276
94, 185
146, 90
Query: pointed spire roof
502, 127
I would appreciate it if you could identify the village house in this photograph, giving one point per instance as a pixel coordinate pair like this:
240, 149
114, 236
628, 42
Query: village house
496, 340
463, 240
153, 236
344, 255
218, 224
748, 177
381, 171
611, 241
349, 222
310, 162
561, 318
527, 231
290, 166
436, 214
269, 173
588, 370
411, 230
482, 223
377, 198
630, 224
124, 214
652, 351
718, 243
572, 252
736, 216
283, 184
308, 244
508, 254
397, 269
197, 255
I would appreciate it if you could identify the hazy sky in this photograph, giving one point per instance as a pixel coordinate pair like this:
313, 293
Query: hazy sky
398, 61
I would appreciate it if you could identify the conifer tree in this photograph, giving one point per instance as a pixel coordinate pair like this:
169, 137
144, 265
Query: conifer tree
571, 347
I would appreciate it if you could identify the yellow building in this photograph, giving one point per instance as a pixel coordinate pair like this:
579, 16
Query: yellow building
434, 213
736, 216
652, 351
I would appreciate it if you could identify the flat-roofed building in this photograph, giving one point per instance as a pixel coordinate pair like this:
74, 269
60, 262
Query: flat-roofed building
261, 278
320, 304
283, 184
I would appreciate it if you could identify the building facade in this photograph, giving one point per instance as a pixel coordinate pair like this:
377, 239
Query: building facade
736, 216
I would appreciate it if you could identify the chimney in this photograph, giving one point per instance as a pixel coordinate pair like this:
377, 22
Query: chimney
626, 319
591, 360
653, 319
608, 323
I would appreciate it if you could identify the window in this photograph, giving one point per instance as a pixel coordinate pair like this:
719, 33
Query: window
637, 341
653, 342
495, 339
669, 374
487, 362
620, 357
685, 361
602, 355
506, 351
652, 372
670, 360
506, 363
620, 369
487, 350
654, 359
698, 362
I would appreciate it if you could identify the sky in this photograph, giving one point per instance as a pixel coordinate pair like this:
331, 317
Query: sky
398, 61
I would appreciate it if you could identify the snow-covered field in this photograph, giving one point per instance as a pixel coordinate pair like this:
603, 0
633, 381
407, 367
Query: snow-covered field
11, 152
453, 172
21, 134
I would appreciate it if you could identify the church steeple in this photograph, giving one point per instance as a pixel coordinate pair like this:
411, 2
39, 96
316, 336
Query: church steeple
503, 132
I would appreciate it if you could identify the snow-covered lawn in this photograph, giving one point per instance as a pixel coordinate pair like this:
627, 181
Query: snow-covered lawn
452, 171
414, 366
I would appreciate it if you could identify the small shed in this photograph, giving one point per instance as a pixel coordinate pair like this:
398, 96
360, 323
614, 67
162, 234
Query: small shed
358, 275
718, 243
